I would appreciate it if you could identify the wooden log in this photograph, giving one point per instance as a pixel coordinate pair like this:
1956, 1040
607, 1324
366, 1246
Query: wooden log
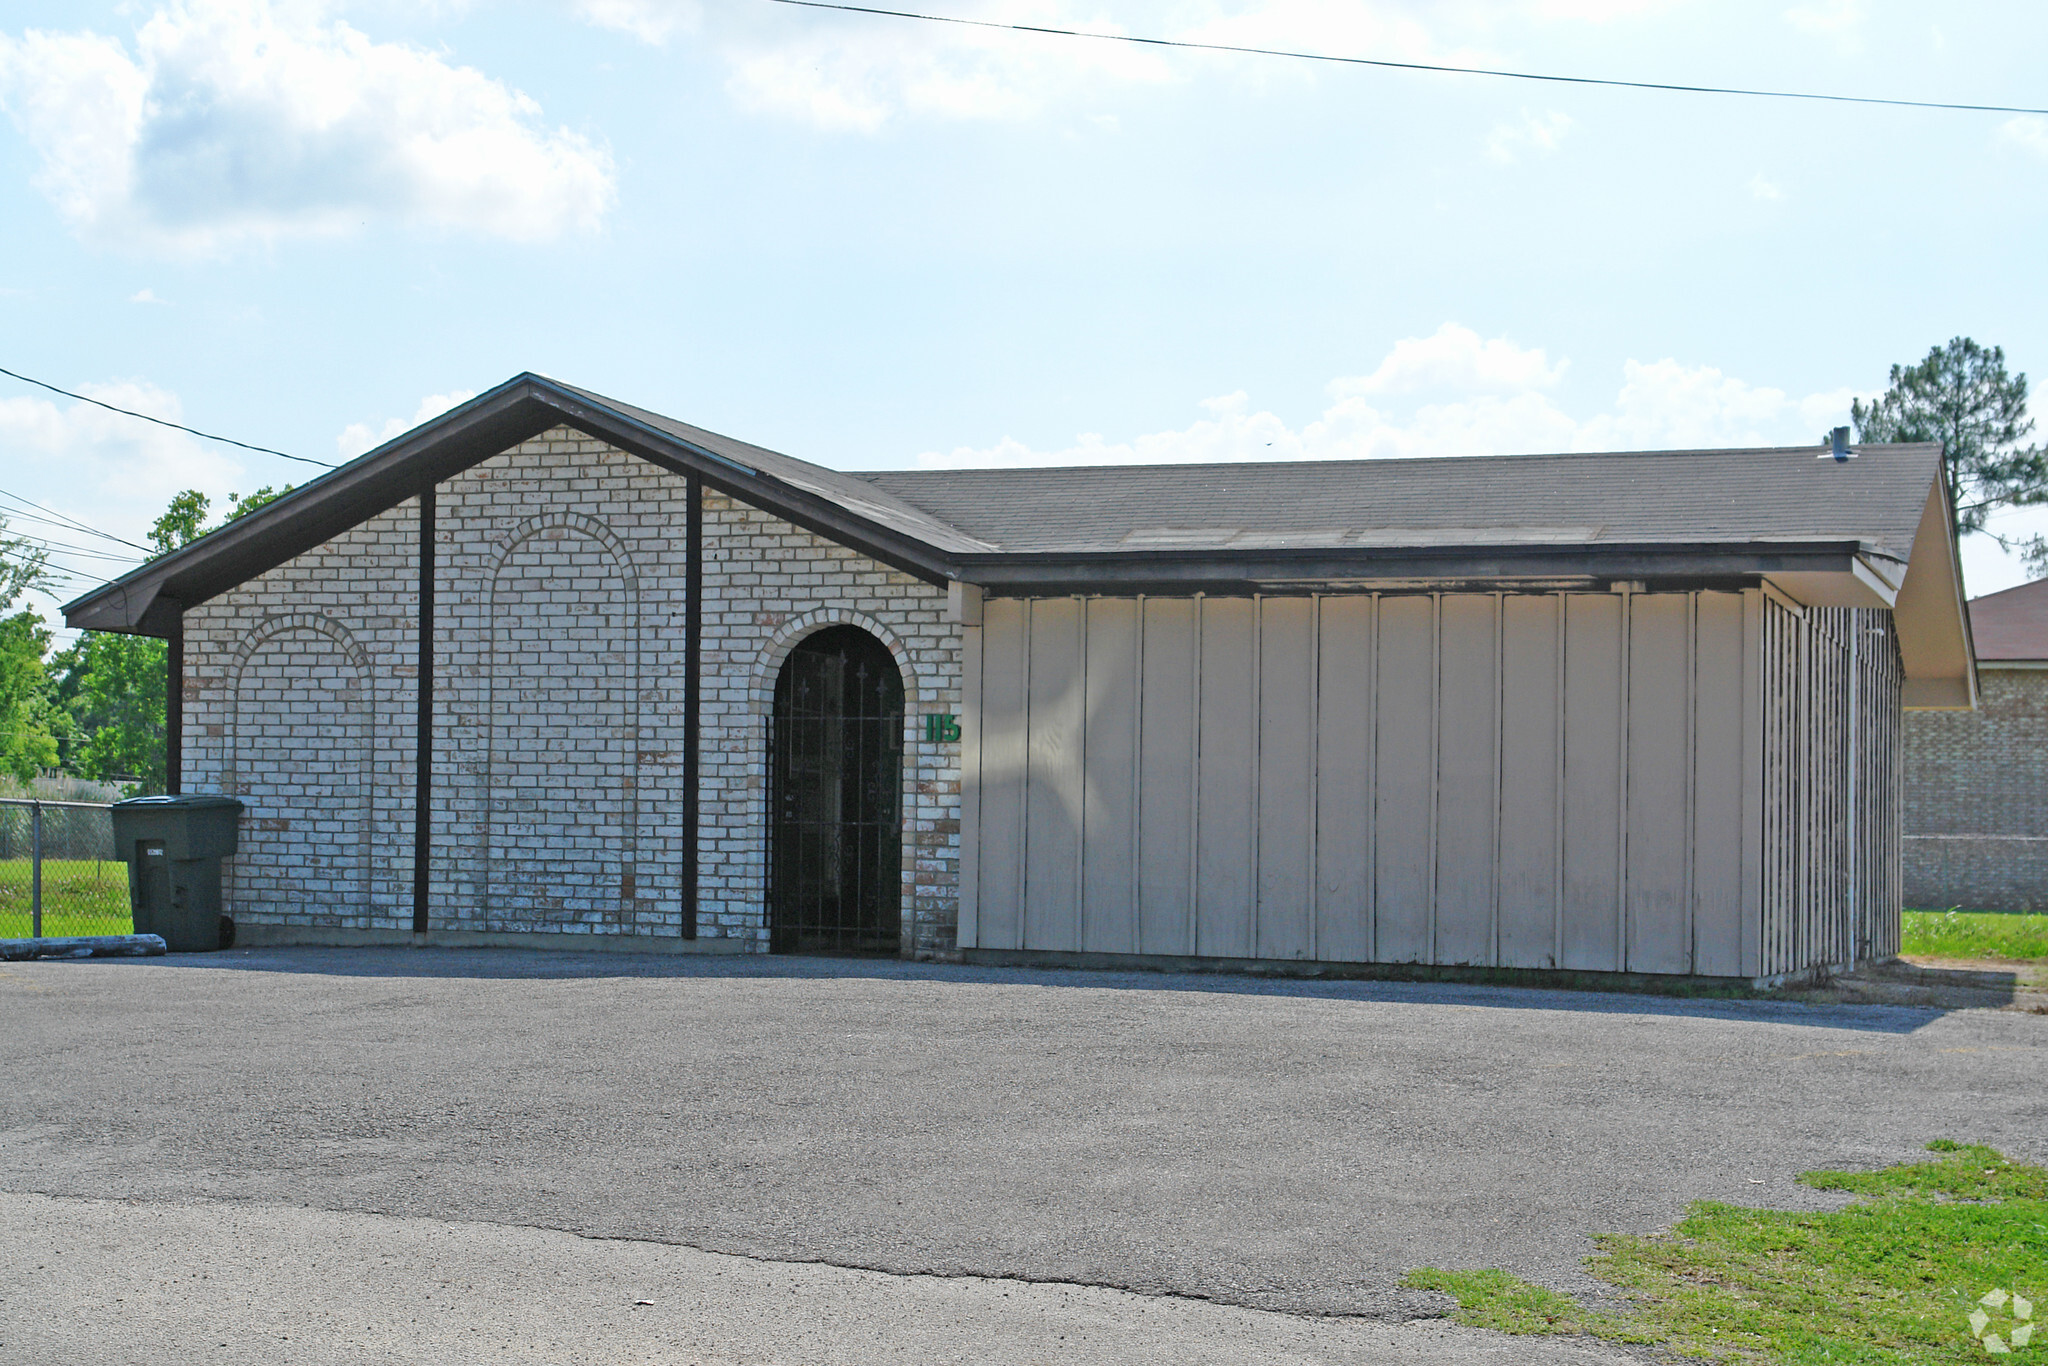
82, 946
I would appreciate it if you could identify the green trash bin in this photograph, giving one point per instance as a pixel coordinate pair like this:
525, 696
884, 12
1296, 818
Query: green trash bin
173, 847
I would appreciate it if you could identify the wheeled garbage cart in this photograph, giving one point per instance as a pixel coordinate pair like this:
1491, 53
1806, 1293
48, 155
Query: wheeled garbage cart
173, 847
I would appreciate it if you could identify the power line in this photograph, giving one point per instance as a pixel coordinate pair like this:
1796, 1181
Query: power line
10, 516
1413, 66
65, 518
56, 571
176, 426
61, 547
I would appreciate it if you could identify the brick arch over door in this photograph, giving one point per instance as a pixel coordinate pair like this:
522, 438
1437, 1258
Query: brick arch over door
562, 701
761, 706
300, 738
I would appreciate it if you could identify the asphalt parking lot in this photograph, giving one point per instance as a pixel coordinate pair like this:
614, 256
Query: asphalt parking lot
1258, 1146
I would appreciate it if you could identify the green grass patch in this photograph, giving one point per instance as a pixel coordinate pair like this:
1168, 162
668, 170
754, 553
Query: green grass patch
1976, 934
1892, 1278
1509, 1304
80, 896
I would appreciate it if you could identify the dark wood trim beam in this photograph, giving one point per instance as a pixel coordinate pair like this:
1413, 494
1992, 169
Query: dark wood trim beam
1484, 568
423, 733
693, 650
174, 706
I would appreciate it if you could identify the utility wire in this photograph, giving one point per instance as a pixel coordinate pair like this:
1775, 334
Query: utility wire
61, 548
10, 516
72, 552
66, 519
176, 426
1412, 66
57, 571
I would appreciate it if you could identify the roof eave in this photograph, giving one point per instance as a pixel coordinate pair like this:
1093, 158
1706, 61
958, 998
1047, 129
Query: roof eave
1310, 568
147, 600
1932, 614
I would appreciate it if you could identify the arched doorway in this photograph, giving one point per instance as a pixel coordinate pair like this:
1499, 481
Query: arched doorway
835, 798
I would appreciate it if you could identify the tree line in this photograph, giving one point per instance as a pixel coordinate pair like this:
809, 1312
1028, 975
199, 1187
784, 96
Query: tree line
95, 709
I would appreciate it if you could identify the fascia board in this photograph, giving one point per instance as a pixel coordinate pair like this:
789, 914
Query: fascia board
1859, 587
146, 600
1932, 615
141, 601
801, 507
1305, 569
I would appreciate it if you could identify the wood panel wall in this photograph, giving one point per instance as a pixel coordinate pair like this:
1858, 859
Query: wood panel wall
1832, 886
1575, 780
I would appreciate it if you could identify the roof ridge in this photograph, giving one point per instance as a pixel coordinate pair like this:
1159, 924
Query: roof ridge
1386, 461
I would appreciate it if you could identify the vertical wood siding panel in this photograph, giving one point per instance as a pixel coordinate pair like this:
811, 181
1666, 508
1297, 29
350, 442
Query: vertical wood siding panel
1753, 844
1405, 768
1592, 805
1052, 842
970, 787
1004, 621
1467, 698
1229, 726
1659, 770
1530, 718
1287, 778
1109, 911
1344, 781
1774, 761
1167, 777
1720, 771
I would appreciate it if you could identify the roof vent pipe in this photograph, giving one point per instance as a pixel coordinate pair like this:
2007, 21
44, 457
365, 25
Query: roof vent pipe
1838, 444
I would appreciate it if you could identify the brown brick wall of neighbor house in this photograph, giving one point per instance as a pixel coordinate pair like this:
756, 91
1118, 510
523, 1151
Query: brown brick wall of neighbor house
1976, 797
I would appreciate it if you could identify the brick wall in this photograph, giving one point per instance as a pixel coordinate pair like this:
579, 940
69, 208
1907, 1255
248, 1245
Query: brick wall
559, 675
1976, 798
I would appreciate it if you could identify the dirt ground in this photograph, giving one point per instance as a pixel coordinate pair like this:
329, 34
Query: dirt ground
1943, 983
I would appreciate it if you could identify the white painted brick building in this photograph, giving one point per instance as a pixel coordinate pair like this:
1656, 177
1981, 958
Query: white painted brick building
558, 637
554, 670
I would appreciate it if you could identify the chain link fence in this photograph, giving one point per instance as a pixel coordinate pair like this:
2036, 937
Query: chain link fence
58, 872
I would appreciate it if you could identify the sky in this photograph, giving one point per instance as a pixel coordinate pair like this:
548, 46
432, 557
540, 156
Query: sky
878, 243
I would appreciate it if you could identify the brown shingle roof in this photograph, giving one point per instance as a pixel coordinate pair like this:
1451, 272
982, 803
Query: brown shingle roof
2012, 624
1635, 497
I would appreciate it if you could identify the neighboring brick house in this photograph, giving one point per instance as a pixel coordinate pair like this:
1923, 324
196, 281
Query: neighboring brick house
554, 670
1976, 788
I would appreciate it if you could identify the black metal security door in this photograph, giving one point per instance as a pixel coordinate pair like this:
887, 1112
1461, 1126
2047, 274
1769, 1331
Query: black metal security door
835, 764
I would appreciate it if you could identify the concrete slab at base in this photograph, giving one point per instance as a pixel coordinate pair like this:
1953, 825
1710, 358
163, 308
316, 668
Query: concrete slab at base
264, 936
1653, 983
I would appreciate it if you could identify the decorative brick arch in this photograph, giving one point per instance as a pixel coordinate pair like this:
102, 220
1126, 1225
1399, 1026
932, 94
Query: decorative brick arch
761, 705
261, 884
572, 521
791, 633
268, 629
498, 673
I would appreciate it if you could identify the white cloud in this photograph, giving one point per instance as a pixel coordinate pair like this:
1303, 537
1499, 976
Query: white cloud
2027, 132
860, 72
1759, 188
111, 472
1836, 19
857, 74
651, 21
1596, 11
146, 296
1482, 398
358, 437
1457, 358
1508, 141
237, 120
